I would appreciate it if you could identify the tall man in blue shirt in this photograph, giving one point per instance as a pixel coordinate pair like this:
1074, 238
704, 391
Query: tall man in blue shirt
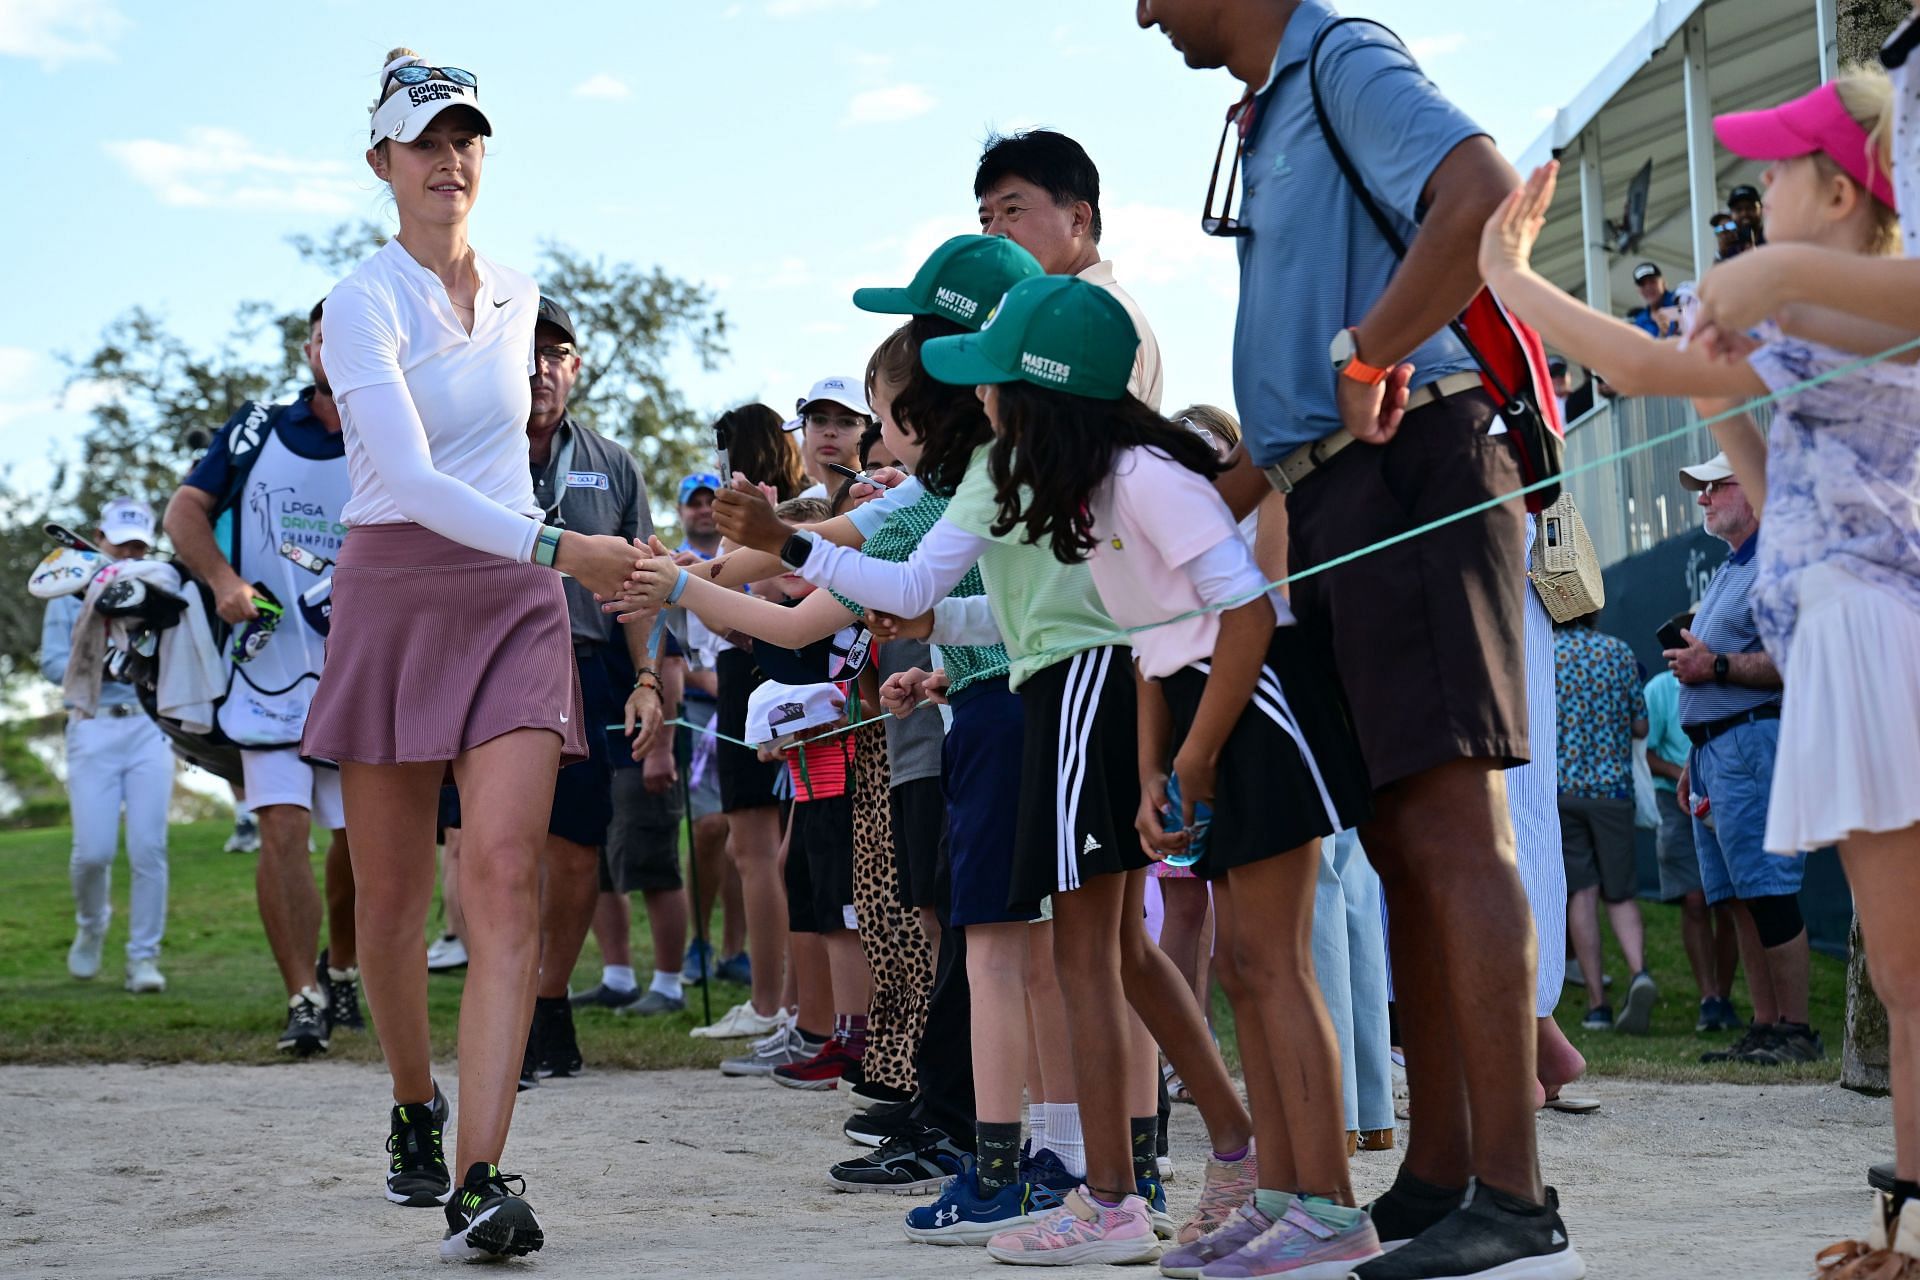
1360, 405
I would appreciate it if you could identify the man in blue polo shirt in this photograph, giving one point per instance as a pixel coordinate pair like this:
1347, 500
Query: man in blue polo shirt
1730, 709
1359, 404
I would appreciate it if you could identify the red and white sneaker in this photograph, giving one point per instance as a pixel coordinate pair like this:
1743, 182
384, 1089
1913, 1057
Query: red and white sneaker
1082, 1230
822, 1071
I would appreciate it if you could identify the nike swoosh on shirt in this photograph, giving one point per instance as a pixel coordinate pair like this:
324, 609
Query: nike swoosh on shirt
503, 302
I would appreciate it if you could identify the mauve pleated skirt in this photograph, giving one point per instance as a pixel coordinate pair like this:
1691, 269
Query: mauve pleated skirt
435, 648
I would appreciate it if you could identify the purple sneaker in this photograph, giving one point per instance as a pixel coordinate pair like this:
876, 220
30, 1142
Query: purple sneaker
1300, 1247
1225, 1240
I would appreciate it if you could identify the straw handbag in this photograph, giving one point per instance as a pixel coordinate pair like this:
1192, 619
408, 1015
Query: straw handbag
1563, 567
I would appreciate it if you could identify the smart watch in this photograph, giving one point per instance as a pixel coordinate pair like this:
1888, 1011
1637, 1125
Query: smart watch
1722, 668
1344, 351
795, 550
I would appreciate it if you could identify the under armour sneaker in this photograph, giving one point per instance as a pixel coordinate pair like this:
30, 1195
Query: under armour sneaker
306, 1032
910, 1166
963, 1215
1300, 1246
1155, 1195
1491, 1234
1225, 1187
560, 1049
1757, 1036
821, 1071
1080, 1230
445, 954
602, 996
342, 988
739, 1023
784, 1046
418, 1176
1230, 1237
488, 1219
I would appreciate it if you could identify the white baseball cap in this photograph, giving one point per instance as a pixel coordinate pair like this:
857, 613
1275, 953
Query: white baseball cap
411, 107
849, 393
127, 520
1699, 477
776, 710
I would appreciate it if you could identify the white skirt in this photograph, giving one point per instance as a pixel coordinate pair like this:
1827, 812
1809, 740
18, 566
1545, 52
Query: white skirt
1849, 755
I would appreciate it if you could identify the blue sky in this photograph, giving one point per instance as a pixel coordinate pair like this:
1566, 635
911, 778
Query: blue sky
780, 151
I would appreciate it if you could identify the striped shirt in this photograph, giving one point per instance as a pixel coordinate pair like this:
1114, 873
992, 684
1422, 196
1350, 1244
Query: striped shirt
1724, 623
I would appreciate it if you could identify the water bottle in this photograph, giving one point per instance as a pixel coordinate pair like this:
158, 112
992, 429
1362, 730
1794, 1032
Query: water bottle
1170, 822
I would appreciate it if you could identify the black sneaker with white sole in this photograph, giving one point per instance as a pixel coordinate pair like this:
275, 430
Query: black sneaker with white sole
915, 1166
343, 994
560, 1049
1409, 1207
1492, 1235
306, 1032
487, 1218
869, 1094
417, 1176
879, 1125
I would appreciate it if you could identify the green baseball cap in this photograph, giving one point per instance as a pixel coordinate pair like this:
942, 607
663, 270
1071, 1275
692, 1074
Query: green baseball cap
1053, 331
961, 281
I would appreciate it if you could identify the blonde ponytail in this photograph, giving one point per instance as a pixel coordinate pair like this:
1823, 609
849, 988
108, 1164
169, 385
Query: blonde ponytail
396, 57
1867, 95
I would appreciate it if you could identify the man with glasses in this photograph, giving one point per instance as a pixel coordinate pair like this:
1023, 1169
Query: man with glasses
1730, 709
832, 416
1360, 405
584, 482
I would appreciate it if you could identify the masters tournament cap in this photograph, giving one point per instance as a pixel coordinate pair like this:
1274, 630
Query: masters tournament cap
127, 520
1644, 272
1817, 121
1715, 468
410, 108
848, 393
961, 281
556, 315
1053, 331
778, 710
692, 484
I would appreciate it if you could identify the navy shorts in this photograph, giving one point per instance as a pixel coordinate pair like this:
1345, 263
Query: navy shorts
583, 793
980, 771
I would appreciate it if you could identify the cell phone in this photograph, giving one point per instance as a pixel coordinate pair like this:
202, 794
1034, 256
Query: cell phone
723, 443
1669, 633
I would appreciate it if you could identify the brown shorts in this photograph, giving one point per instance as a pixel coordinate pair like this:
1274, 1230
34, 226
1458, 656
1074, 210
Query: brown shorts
1426, 635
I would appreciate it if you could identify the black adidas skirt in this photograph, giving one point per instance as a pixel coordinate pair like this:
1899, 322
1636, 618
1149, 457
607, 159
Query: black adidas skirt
1291, 770
1080, 777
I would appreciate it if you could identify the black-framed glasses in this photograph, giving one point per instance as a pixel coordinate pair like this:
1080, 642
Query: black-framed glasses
556, 354
415, 73
1224, 223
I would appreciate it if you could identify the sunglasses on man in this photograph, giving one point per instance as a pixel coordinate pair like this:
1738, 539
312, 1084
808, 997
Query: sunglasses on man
1224, 223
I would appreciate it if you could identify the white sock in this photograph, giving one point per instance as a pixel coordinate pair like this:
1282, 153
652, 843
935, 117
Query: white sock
618, 977
667, 984
1064, 1137
1037, 1126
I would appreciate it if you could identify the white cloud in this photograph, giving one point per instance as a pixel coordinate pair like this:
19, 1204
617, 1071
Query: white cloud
807, 8
1425, 48
221, 168
604, 87
792, 273
55, 32
889, 105
16, 363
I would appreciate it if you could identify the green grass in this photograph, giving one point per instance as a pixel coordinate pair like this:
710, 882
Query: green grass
224, 1004
224, 1001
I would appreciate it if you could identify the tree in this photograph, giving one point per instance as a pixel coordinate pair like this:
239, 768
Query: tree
1866, 24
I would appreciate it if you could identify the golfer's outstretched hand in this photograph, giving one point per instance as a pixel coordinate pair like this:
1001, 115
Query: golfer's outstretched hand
645, 589
598, 562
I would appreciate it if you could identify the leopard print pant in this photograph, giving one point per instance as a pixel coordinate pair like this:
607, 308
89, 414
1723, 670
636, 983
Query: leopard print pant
896, 950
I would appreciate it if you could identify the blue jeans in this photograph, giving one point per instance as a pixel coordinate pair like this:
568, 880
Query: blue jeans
1350, 961
1735, 773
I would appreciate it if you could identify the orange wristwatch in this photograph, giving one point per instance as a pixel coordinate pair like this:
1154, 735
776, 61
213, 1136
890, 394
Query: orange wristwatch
1345, 354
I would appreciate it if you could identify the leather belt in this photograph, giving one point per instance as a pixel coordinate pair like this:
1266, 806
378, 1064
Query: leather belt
1287, 473
1702, 734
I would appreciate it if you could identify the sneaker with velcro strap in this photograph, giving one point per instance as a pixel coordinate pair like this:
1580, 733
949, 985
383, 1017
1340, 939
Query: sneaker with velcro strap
417, 1176
489, 1218
910, 1166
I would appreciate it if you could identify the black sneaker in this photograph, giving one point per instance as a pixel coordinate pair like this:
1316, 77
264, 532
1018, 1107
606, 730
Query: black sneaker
603, 996
1492, 1234
536, 1052
560, 1050
418, 1176
1599, 1018
905, 1167
488, 1219
343, 995
306, 1032
1409, 1207
878, 1126
869, 1094
1792, 1042
1756, 1037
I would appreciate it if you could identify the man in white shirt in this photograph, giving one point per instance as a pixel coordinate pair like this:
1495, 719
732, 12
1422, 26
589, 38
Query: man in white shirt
1040, 190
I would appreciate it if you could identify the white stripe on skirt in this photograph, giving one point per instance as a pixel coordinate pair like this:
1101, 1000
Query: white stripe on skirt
1086, 679
1272, 700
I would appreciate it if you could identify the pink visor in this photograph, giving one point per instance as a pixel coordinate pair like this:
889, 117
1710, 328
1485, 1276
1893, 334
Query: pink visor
1817, 121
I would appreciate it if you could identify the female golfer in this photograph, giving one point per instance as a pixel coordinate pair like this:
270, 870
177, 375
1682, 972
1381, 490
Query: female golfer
449, 643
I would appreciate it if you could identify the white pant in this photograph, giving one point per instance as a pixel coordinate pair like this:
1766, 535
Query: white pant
280, 776
116, 762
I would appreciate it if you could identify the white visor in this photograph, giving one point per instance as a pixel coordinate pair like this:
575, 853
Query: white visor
411, 107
